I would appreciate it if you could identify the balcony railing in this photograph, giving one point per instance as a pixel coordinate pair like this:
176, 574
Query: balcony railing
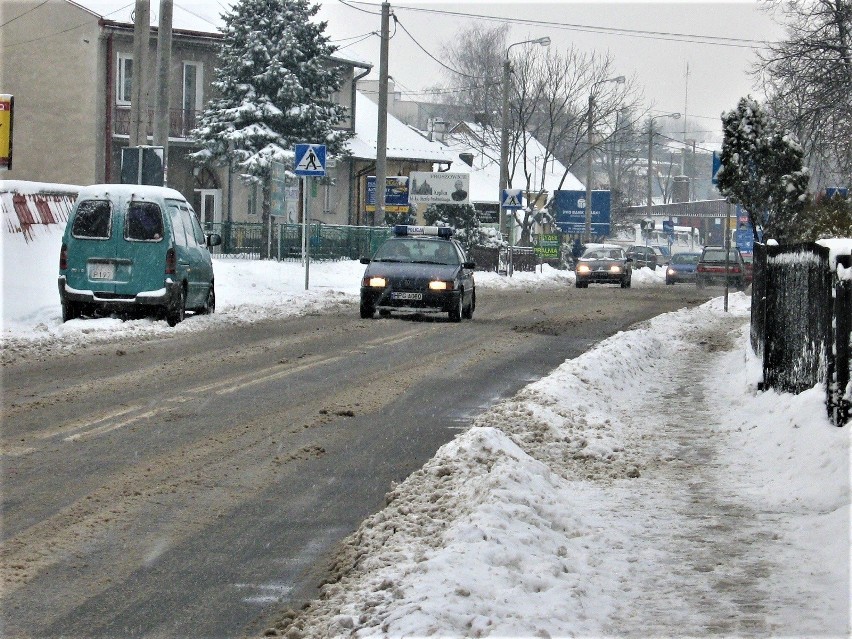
181, 121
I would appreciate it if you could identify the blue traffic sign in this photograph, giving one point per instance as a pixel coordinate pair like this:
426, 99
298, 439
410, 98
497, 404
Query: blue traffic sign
717, 164
310, 160
512, 198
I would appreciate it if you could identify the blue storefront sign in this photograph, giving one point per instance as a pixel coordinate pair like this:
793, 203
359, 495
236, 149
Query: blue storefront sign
570, 210
396, 194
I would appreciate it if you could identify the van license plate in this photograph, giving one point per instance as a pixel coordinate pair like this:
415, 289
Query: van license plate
407, 296
101, 271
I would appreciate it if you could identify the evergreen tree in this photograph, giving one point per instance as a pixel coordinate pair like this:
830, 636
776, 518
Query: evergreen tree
461, 218
275, 83
762, 170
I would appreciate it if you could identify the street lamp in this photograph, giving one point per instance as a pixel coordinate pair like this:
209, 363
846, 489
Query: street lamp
673, 116
504, 131
587, 234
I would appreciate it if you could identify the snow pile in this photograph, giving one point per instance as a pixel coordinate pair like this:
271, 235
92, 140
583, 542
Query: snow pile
599, 501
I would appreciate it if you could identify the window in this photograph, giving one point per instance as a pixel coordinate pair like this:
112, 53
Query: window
193, 227
124, 79
192, 86
144, 222
178, 230
93, 220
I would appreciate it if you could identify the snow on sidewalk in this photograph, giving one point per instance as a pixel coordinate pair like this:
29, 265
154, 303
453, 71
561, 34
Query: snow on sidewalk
616, 496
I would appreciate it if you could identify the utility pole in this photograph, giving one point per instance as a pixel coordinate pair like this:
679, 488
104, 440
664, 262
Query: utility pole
139, 98
587, 234
164, 61
650, 163
382, 129
504, 141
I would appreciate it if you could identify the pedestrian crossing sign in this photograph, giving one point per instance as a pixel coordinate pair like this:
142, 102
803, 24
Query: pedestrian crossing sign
512, 199
310, 160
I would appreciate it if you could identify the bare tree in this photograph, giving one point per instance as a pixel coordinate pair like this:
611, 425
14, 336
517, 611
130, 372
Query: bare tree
475, 66
808, 78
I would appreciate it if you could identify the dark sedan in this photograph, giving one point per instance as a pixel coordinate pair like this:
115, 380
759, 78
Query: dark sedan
420, 269
682, 268
717, 266
604, 264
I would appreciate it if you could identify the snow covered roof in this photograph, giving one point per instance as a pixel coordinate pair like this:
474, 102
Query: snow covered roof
403, 142
28, 206
485, 172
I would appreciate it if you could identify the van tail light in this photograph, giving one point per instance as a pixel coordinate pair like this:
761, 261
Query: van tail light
63, 257
171, 262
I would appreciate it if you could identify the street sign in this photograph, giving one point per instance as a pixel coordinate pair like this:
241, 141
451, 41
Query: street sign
570, 209
668, 226
310, 160
7, 108
717, 164
396, 194
512, 198
439, 188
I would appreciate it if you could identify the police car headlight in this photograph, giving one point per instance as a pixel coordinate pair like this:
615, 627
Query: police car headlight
583, 268
440, 285
375, 282
615, 268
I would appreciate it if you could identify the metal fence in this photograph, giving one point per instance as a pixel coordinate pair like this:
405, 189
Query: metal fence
328, 241
800, 323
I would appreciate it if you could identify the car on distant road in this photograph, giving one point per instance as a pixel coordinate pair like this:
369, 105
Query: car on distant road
714, 268
419, 269
604, 264
682, 267
643, 256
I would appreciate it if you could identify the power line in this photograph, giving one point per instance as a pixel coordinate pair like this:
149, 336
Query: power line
375, 13
414, 40
637, 33
51, 35
23, 14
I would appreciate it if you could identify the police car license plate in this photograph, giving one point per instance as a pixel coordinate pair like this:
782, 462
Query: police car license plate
101, 271
407, 296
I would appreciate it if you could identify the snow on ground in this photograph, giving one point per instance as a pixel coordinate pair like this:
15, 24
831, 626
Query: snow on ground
644, 488
246, 291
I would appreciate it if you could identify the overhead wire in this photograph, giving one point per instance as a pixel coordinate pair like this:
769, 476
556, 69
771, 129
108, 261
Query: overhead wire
23, 14
639, 33
56, 33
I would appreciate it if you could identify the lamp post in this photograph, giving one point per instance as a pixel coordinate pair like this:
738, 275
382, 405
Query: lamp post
673, 116
587, 233
504, 130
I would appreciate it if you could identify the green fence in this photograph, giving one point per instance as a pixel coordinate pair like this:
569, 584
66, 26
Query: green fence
328, 241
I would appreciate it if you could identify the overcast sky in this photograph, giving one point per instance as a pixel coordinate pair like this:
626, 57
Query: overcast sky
652, 42
717, 67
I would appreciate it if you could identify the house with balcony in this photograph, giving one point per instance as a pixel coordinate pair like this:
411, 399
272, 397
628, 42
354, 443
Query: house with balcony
70, 67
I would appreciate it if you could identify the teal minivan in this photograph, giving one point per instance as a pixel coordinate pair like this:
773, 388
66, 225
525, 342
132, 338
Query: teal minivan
135, 250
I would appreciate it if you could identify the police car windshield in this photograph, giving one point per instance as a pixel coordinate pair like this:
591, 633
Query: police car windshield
417, 251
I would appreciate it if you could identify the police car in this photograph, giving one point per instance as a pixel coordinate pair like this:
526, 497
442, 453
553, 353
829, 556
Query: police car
419, 269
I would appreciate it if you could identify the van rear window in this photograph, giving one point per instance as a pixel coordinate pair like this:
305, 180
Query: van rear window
144, 222
93, 220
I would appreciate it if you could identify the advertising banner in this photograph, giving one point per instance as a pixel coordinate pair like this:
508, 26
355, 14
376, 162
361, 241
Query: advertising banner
439, 188
7, 104
396, 194
570, 209
548, 246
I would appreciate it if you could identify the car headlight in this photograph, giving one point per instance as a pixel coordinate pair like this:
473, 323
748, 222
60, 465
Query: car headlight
375, 282
615, 268
583, 268
671, 271
440, 285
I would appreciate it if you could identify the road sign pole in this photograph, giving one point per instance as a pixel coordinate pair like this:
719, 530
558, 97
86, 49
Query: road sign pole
306, 243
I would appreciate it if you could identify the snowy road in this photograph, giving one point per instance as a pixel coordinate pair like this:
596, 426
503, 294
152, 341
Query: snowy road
225, 461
